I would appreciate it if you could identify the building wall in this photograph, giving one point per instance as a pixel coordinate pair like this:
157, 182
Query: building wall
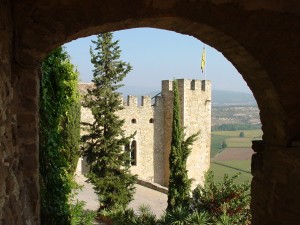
195, 106
154, 138
196, 110
144, 136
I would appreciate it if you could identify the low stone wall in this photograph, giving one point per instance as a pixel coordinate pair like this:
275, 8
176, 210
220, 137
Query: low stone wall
153, 186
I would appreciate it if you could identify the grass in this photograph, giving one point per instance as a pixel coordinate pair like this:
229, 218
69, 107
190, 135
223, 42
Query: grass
233, 139
239, 164
248, 133
220, 170
239, 142
216, 141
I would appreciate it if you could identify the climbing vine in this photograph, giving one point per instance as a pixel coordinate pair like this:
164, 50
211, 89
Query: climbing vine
59, 135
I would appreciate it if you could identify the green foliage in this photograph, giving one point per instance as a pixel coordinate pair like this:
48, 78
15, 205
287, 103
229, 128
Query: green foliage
224, 198
235, 126
123, 216
179, 183
59, 135
79, 216
105, 139
199, 218
223, 203
224, 144
242, 134
178, 215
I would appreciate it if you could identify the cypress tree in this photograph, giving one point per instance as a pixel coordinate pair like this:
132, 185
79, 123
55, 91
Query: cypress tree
179, 183
103, 145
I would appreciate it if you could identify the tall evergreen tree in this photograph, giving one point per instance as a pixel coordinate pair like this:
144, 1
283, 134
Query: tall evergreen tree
103, 145
179, 183
59, 135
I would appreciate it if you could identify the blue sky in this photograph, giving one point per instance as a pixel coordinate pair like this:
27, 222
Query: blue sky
157, 55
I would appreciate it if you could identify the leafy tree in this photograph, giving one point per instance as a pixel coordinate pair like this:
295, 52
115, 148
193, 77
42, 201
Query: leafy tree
224, 144
59, 135
242, 134
179, 183
103, 145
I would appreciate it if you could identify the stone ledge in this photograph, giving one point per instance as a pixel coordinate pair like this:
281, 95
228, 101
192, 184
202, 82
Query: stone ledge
152, 186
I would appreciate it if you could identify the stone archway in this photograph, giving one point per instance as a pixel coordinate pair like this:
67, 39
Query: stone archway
260, 39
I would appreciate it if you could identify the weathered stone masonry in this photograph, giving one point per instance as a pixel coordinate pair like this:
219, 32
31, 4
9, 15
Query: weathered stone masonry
19, 86
152, 123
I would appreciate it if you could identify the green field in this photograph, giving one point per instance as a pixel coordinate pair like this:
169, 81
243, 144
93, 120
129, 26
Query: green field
248, 133
239, 142
216, 142
220, 170
233, 139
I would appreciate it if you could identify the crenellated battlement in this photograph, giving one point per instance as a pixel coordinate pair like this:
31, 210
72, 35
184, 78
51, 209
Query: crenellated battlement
141, 101
187, 84
132, 101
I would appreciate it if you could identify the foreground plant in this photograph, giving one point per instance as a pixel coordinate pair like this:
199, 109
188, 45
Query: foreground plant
78, 214
59, 135
224, 200
121, 216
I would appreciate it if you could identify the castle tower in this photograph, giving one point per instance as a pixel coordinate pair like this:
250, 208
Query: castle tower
152, 123
195, 106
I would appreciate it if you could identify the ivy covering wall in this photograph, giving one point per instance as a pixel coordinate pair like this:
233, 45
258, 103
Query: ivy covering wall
59, 135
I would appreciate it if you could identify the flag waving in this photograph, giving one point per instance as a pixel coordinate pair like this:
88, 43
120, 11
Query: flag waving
203, 60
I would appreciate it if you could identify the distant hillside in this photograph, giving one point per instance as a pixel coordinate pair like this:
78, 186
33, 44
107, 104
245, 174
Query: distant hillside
232, 98
219, 97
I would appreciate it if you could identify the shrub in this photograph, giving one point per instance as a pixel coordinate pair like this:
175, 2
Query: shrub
121, 216
224, 198
79, 216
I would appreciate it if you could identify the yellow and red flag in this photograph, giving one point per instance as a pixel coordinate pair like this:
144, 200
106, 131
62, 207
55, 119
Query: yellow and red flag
203, 60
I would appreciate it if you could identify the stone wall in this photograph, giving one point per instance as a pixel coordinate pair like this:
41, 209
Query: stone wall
19, 87
149, 135
137, 119
278, 169
9, 190
195, 106
196, 116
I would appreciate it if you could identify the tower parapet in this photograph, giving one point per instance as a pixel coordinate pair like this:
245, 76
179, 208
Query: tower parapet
132, 100
187, 84
135, 101
146, 101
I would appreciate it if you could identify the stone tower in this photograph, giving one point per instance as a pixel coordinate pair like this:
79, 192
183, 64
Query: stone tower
195, 106
152, 121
